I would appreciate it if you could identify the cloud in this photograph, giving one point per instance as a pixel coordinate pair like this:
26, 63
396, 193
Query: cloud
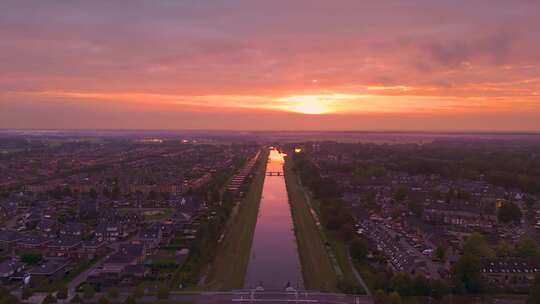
452, 53
237, 55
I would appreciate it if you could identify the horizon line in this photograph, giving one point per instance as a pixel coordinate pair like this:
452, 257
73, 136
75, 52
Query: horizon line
426, 131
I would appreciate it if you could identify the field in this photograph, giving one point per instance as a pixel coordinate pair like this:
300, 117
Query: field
317, 269
228, 270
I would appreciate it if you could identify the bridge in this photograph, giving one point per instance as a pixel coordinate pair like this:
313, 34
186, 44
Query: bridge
259, 297
274, 173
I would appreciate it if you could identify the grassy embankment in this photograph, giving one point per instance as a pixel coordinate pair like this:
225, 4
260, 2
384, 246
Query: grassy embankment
339, 248
232, 256
317, 269
320, 249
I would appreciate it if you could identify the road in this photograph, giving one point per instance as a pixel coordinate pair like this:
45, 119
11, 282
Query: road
258, 297
83, 276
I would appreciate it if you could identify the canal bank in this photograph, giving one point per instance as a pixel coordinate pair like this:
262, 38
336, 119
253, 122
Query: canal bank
232, 255
274, 262
324, 255
319, 273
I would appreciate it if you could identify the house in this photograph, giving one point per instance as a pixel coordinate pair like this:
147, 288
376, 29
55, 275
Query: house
462, 215
33, 242
64, 246
53, 269
48, 228
151, 236
133, 273
88, 209
8, 268
108, 231
8, 240
167, 229
116, 267
33, 217
192, 204
8, 209
74, 229
92, 248
128, 254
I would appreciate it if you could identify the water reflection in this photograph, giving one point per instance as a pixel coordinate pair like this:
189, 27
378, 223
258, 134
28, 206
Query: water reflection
274, 261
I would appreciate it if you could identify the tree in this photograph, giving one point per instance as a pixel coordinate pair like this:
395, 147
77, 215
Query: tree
477, 245
401, 194
346, 231
528, 248
139, 291
401, 283
88, 292
379, 297
103, 300
505, 249
416, 208
66, 191
76, 299
328, 188
393, 298
509, 212
93, 194
440, 253
420, 286
62, 293
113, 293
130, 300
152, 195
26, 293
358, 249
115, 193
9, 299
466, 274
6, 297
214, 195
49, 299
163, 292
31, 258
439, 289
534, 292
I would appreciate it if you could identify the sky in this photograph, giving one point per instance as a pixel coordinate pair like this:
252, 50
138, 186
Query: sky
272, 65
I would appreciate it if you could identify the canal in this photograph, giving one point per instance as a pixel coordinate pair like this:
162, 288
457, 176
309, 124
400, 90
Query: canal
274, 262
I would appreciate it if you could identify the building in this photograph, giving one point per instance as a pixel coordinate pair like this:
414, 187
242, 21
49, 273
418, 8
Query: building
64, 246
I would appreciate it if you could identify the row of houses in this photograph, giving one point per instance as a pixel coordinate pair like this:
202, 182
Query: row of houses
52, 269
12, 242
240, 178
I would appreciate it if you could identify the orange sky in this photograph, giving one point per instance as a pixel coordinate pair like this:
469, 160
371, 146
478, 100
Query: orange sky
355, 65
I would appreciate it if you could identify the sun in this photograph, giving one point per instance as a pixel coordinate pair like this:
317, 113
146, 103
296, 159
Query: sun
310, 108
308, 104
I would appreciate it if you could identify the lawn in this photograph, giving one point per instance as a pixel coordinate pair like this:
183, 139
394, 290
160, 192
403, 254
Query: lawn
340, 250
158, 214
229, 267
317, 269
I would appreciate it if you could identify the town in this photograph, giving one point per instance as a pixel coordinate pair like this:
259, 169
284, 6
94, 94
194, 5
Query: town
114, 215
446, 217
123, 219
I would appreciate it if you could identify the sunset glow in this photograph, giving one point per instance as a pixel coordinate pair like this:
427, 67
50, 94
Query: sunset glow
306, 104
191, 65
